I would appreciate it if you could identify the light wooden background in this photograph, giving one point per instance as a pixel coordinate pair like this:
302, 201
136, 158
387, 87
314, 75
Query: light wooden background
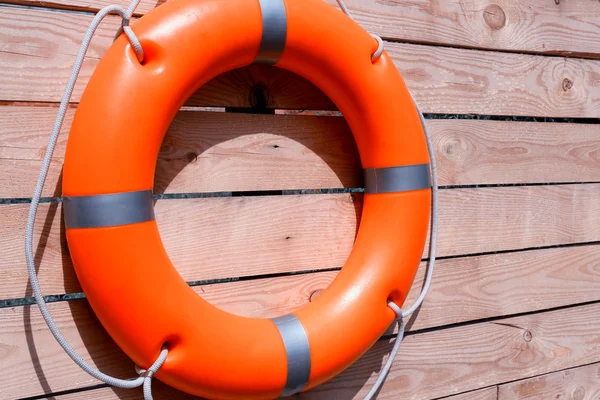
512, 92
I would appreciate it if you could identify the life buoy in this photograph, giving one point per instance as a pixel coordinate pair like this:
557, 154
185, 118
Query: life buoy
113, 238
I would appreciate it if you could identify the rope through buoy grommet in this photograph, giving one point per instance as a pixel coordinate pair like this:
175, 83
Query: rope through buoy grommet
380, 44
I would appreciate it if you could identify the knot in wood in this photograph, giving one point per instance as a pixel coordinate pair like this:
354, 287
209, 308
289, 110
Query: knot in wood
494, 16
567, 84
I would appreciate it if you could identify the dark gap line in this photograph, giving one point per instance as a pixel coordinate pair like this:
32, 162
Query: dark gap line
498, 185
26, 301
66, 392
544, 374
51, 7
556, 53
522, 250
490, 319
512, 118
300, 192
251, 110
450, 396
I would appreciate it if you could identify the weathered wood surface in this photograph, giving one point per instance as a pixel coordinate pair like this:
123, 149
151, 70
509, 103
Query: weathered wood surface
490, 393
38, 49
215, 152
162, 391
471, 288
538, 26
430, 365
233, 237
455, 360
581, 383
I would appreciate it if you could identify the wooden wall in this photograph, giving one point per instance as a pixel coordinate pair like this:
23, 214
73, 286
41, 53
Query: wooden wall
512, 93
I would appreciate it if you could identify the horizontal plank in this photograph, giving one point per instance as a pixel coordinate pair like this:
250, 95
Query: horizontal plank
490, 393
464, 288
538, 26
430, 365
159, 391
206, 238
39, 46
567, 28
449, 361
220, 152
581, 383
234, 237
162, 391
202, 152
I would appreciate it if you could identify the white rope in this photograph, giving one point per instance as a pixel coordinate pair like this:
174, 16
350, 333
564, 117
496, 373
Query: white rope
400, 315
121, 383
380, 45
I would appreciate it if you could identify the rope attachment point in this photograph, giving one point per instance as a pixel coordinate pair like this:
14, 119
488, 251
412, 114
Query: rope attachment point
380, 45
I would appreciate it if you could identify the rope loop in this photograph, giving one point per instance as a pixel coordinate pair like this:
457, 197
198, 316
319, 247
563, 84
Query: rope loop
397, 310
380, 48
380, 44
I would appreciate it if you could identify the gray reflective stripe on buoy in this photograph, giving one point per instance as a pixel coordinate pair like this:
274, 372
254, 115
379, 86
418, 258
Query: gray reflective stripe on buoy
297, 351
274, 31
107, 210
397, 179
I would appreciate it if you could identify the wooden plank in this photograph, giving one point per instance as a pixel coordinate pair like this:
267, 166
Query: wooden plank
449, 361
203, 152
162, 391
430, 365
159, 391
444, 80
490, 393
216, 152
206, 238
235, 237
464, 288
38, 50
567, 28
581, 383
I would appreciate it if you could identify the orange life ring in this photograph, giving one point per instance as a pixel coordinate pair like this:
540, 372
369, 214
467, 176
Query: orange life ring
108, 178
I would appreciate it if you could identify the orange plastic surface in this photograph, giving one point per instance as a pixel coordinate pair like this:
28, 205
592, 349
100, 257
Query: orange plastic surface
125, 272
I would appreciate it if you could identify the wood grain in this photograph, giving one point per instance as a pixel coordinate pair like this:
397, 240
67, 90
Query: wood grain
218, 238
581, 383
162, 391
490, 393
449, 361
430, 365
566, 28
220, 152
38, 48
